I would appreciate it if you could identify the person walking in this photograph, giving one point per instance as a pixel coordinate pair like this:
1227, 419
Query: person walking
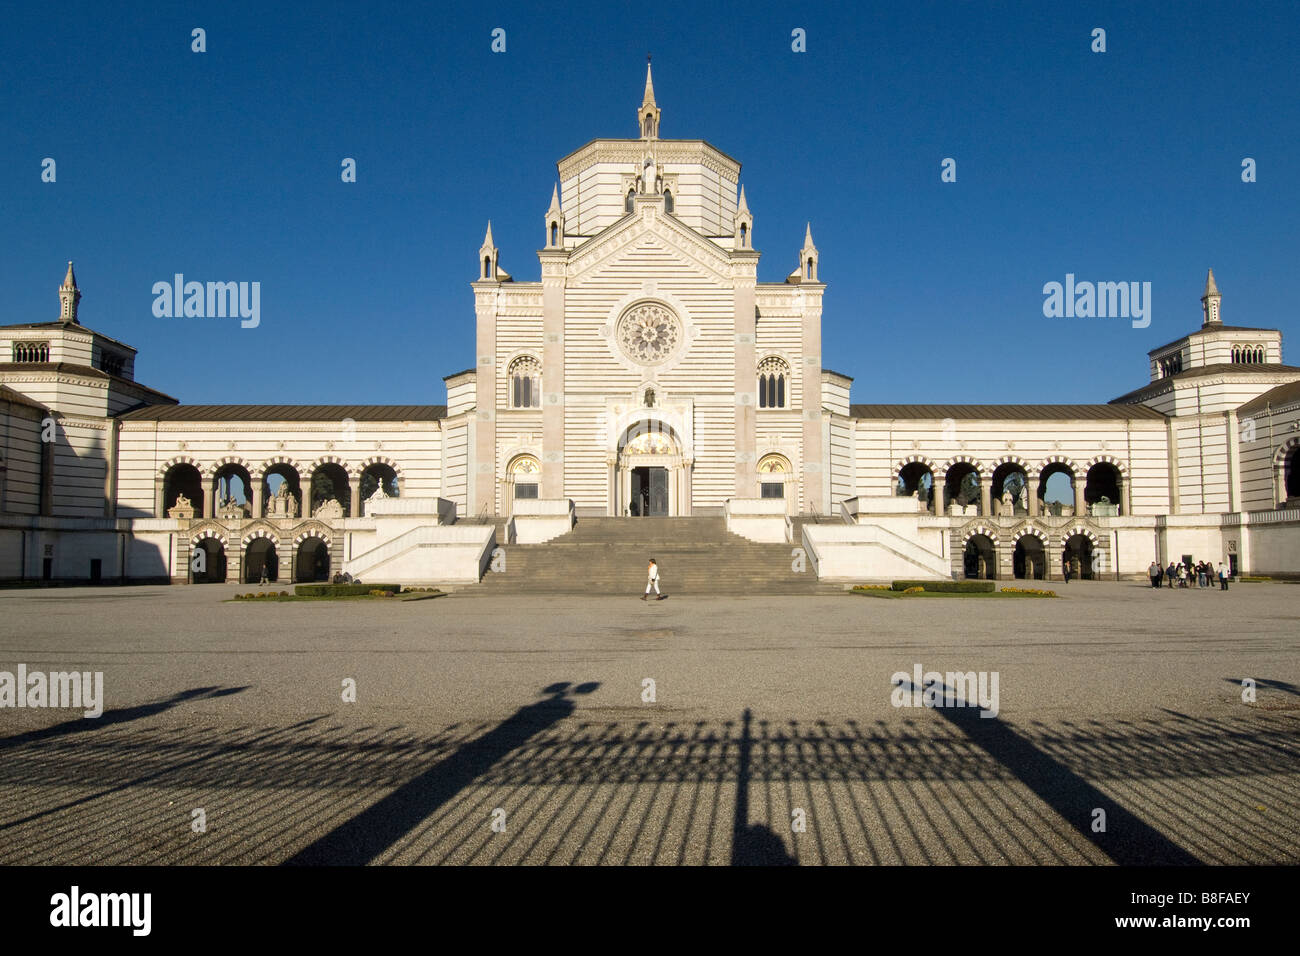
1171, 575
1154, 573
1223, 576
1065, 568
1182, 575
652, 580
1202, 574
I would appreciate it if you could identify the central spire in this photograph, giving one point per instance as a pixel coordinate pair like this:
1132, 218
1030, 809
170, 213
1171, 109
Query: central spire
648, 114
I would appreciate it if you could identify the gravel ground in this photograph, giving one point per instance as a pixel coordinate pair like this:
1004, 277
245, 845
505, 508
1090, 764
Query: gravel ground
520, 730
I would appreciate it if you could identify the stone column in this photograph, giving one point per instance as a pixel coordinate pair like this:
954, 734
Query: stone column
986, 496
258, 484
1080, 506
611, 491
1031, 496
745, 381
354, 490
553, 386
209, 496
936, 492
158, 503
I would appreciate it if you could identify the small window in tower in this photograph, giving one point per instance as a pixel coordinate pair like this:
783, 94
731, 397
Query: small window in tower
744, 236
487, 267
627, 203
31, 352
555, 234
668, 201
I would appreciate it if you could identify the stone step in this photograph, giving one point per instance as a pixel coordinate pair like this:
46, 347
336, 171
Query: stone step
609, 555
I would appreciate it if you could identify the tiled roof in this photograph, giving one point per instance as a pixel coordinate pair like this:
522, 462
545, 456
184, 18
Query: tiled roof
1004, 412
287, 413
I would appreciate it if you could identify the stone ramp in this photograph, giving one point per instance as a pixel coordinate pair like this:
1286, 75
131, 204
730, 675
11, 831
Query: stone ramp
609, 556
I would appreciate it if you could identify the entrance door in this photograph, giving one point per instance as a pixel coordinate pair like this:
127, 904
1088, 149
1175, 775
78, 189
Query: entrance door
649, 492
658, 492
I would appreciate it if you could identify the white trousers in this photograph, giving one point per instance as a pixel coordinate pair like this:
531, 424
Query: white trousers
652, 583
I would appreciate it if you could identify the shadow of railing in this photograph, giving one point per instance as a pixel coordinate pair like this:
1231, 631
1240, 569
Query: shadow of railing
928, 788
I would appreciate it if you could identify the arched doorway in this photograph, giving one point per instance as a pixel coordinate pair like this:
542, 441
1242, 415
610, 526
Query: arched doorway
1103, 489
1078, 552
651, 474
208, 561
329, 483
232, 488
980, 558
776, 479
917, 478
1056, 489
313, 560
378, 476
1009, 482
962, 486
1291, 474
182, 480
282, 492
1029, 562
258, 554
523, 481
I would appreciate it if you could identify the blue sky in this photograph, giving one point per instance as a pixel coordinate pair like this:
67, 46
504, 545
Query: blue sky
1115, 166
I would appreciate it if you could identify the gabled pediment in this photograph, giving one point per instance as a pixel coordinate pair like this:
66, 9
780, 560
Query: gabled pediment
649, 225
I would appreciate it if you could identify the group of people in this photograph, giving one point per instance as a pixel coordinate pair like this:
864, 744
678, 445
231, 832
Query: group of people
1185, 574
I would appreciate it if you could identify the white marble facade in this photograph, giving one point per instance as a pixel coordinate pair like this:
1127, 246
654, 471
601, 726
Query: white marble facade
646, 370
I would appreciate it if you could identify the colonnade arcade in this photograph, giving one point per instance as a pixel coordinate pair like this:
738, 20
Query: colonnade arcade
211, 553
233, 488
1010, 486
1031, 552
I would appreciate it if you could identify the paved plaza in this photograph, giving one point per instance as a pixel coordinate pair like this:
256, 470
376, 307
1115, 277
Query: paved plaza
522, 730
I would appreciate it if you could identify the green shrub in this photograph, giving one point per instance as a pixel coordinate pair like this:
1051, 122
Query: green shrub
963, 587
342, 590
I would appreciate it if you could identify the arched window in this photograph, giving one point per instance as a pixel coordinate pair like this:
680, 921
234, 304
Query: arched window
31, 352
772, 375
668, 201
555, 234
1236, 355
487, 267
525, 471
744, 236
627, 203
525, 382
773, 472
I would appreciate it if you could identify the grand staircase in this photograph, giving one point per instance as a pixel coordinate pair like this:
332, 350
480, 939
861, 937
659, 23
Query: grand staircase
609, 556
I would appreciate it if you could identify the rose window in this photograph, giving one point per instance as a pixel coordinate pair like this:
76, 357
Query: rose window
649, 333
